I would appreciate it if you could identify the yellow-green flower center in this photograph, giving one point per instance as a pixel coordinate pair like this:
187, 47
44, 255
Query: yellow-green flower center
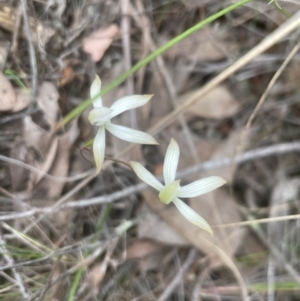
169, 192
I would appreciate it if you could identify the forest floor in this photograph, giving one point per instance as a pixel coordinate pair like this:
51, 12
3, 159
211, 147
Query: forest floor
226, 85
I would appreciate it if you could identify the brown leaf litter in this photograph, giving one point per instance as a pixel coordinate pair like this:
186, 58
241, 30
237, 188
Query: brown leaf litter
43, 149
7, 94
99, 41
208, 44
219, 103
41, 33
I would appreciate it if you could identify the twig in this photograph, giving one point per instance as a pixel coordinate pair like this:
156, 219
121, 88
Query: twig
125, 25
276, 149
32, 54
16, 31
213, 164
62, 200
145, 44
29, 111
44, 174
10, 261
197, 289
172, 285
271, 278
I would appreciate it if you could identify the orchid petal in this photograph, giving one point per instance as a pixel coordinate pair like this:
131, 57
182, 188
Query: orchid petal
100, 116
201, 187
145, 175
99, 148
130, 135
192, 216
171, 162
169, 192
128, 103
95, 91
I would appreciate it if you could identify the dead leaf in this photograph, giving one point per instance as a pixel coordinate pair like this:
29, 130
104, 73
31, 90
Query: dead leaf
99, 41
208, 44
218, 207
47, 100
45, 190
205, 149
20, 176
22, 100
218, 103
67, 76
213, 247
46, 163
37, 139
147, 252
4, 50
59, 164
153, 227
160, 104
142, 248
235, 143
39, 130
40, 32
97, 274
7, 94
39, 144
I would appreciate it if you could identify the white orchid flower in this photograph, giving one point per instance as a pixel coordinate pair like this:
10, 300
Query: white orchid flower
101, 116
171, 191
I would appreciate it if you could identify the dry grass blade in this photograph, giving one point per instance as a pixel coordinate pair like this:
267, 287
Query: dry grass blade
10, 261
261, 221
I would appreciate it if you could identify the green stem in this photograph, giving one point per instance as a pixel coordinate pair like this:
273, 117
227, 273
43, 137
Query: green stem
79, 109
